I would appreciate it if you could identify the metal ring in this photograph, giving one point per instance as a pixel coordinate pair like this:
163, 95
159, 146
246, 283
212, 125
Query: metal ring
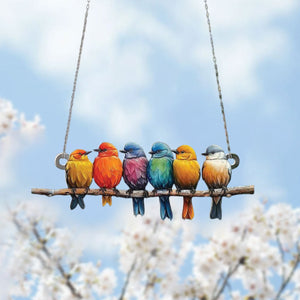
58, 158
236, 159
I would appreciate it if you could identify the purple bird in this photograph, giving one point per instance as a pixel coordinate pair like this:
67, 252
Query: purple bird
135, 173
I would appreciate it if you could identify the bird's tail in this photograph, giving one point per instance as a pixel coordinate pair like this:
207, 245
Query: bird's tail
165, 208
74, 202
216, 208
188, 210
77, 199
80, 201
106, 199
138, 206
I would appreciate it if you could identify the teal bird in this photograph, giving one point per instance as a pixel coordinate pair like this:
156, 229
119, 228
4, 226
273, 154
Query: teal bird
160, 175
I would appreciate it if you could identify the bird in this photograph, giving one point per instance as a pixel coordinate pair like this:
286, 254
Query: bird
135, 173
107, 169
160, 175
186, 176
79, 174
216, 172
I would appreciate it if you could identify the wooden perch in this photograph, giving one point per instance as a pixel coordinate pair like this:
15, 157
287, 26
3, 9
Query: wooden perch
123, 194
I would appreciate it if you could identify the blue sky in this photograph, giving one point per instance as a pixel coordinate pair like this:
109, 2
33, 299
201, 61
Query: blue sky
146, 76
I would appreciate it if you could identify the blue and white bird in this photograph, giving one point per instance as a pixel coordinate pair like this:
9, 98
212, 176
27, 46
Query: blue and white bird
216, 172
160, 175
135, 173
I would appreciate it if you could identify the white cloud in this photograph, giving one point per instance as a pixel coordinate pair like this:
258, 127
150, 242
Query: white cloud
122, 37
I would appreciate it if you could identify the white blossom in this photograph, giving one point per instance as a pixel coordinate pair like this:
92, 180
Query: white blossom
254, 252
16, 133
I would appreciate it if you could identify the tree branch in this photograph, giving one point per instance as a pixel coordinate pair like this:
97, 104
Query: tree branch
227, 277
279, 244
42, 243
288, 279
123, 194
127, 280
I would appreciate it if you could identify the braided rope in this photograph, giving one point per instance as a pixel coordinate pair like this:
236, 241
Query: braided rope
76, 75
217, 76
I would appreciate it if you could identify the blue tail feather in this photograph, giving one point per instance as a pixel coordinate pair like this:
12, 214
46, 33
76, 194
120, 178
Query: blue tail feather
80, 201
165, 208
138, 206
141, 206
74, 202
77, 199
216, 210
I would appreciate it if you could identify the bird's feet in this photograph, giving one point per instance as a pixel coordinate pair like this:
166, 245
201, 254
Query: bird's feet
178, 189
103, 190
193, 191
116, 191
154, 191
146, 194
129, 192
211, 191
225, 190
86, 191
169, 190
74, 191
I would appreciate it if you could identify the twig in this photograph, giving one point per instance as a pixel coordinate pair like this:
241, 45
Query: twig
287, 280
122, 193
282, 255
150, 282
127, 280
48, 254
226, 279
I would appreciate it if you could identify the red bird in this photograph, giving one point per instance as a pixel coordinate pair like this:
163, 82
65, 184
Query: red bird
107, 169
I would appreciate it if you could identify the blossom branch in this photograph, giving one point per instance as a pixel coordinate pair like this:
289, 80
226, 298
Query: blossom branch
127, 280
288, 279
60, 268
227, 277
42, 243
279, 244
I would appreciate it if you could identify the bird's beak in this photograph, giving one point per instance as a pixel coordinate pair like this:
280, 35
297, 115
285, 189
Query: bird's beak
175, 151
123, 151
88, 152
151, 152
98, 150
205, 154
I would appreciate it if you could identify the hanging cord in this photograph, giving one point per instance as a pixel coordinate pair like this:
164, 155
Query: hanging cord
76, 75
217, 77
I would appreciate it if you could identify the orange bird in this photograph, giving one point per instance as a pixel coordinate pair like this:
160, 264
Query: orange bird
107, 169
186, 171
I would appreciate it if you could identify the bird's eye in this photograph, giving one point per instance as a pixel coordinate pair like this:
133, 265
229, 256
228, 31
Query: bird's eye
182, 152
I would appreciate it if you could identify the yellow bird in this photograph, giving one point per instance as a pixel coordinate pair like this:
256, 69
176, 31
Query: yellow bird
79, 174
186, 170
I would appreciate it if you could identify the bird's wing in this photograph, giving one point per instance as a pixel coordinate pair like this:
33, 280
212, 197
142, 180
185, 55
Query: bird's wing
229, 172
141, 172
204, 175
164, 173
186, 173
69, 181
135, 174
85, 174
